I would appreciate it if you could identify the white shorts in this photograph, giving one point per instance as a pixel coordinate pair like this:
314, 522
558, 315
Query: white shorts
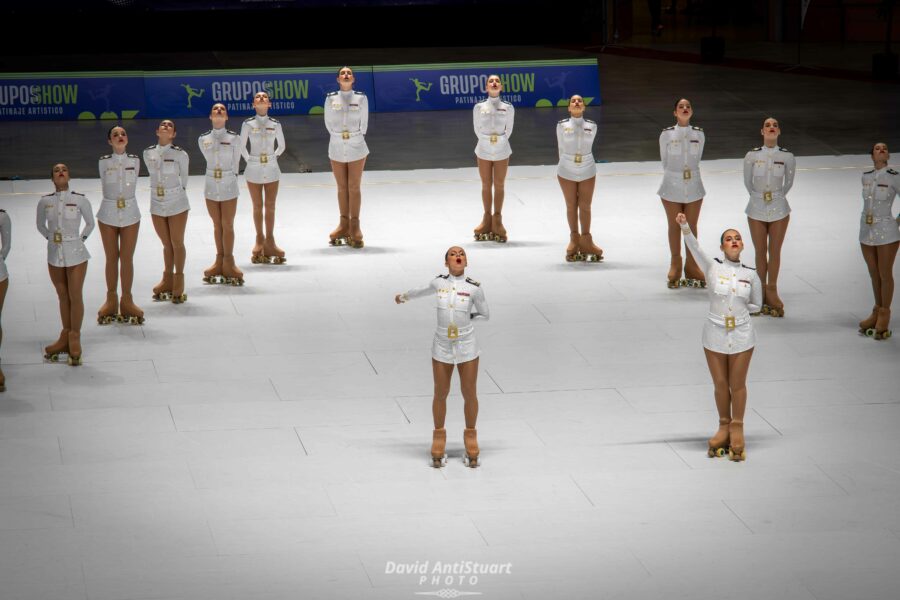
453, 352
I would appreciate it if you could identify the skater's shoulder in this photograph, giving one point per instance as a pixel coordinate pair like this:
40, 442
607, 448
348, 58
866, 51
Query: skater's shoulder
334, 93
868, 172
748, 267
77, 194
178, 149
672, 128
358, 93
250, 119
135, 156
757, 149
473, 282
561, 121
695, 128
206, 133
274, 120
783, 149
892, 171
591, 122
150, 147
106, 157
442, 276
719, 260
234, 133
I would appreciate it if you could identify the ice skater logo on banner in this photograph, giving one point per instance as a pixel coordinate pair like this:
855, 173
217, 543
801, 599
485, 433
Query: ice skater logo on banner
192, 93
421, 87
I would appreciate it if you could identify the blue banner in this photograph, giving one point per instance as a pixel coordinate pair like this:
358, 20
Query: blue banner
292, 91
70, 97
455, 86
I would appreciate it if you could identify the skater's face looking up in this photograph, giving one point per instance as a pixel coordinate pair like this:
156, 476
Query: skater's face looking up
118, 139
880, 153
165, 133
771, 130
345, 78
261, 103
60, 174
732, 244
576, 106
494, 86
683, 111
455, 260
218, 115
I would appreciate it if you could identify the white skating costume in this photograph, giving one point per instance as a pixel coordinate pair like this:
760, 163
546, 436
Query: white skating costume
681, 149
168, 167
768, 176
460, 300
118, 179
575, 140
262, 157
877, 226
493, 125
222, 150
58, 218
6, 238
347, 119
734, 292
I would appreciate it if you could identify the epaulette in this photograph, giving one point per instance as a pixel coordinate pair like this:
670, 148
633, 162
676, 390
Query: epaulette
273, 119
174, 147
132, 156
248, 119
589, 121
3, 210
49, 195
472, 281
150, 147
669, 128
358, 93
757, 149
206, 133
892, 171
696, 128
562, 121
868, 172
77, 193
334, 93
232, 132
747, 267
719, 260
105, 156
444, 276
783, 149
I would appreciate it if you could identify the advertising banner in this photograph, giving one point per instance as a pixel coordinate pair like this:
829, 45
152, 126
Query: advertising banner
455, 86
292, 91
71, 96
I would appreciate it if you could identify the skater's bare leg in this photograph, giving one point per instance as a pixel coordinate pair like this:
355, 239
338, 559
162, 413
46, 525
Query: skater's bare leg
74, 286
486, 172
500, 167
161, 225
341, 174
177, 226
759, 233
692, 212
442, 373
887, 253
585, 198
718, 369
468, 379
738, 366
354, 183
271, 195
777, 232
674, 230
61, 285
128, 237
110, 237
256, 196
4, 286
228, 210
215, 214
570, 193
870, 254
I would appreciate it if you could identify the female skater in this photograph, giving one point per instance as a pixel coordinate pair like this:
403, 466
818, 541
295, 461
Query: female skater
728, 336
59, 217
263, 174
681, 147
493, 126
577, 174
879, 236
768, 176
168, 166
347, 118
459, 301
6, 239
119, 218
222, 151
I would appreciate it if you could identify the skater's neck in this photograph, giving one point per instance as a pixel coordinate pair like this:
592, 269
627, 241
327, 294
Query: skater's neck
771, 144
880, 164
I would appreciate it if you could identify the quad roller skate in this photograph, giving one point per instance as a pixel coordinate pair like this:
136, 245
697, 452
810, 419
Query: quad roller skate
497, 228
129, 312
256, 255
719, 443
773, 306
438, 445
74, 349
673, 278
588, 252
736, 452
483, 231
572, 250
470, 440
693, 276
341, 235
178, 295
881, 325
163, 290
355, 239
60, 346
867, 325
269, 253
109, 312
232, 275
214, 273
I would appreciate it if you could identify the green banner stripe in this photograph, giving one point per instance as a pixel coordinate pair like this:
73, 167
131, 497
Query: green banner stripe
218, 72
73, 75
488, 65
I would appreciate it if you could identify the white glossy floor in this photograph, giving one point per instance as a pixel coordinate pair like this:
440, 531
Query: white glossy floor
270, 442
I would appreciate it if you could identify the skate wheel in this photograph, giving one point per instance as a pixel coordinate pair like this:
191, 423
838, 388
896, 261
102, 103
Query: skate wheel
716, 452
737, 457
500, 240
471, 462
673, 284
51, 357
870, 332
74, 361
439, 462
764, 310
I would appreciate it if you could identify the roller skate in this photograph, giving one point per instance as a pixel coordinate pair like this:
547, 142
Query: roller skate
2, 381
178, 295
438, 445
109, 312
693, 276
736, 452
588, 251
129, 311
60, 346
867, 325
355, 239
673, 278
497, 228
232, 275
214, 273
163, 289
881, 325
471, 442
74, 348
272, 254
341, 235
483, 231
573, 253
773, 306
719, 443
256, 255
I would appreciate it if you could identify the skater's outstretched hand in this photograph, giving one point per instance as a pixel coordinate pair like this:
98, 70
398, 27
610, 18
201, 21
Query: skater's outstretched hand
680, 219
398, 298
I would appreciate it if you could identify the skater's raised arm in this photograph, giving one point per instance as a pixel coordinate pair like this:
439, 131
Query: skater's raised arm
692, 244
419, 292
